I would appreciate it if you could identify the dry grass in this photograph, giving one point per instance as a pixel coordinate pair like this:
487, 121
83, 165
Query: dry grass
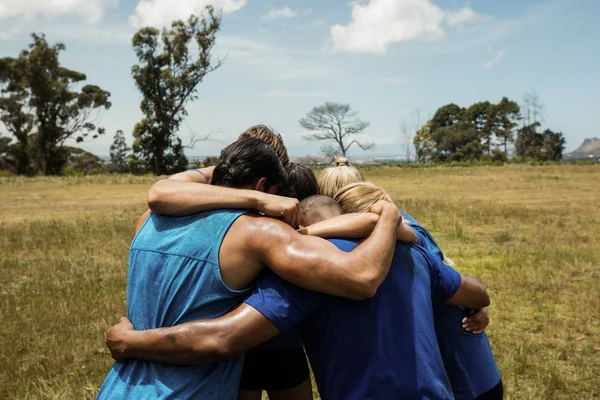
532, 234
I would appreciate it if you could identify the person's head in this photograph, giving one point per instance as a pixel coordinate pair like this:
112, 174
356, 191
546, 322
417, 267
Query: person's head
334, 178
249, 164
358, 197
267, 135
301, 183
319, 208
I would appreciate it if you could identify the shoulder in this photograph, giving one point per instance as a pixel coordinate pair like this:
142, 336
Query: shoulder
263, 231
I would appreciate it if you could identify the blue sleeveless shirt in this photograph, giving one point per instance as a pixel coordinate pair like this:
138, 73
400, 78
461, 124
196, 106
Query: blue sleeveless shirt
174, 277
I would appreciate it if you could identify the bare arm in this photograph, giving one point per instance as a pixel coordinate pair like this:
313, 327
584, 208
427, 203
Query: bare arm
355, 226
177, 198
471, 294
193, 342
318, 265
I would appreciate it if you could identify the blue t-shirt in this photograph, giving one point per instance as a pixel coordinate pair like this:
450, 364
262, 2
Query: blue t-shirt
174, 277
379, 348
468, 357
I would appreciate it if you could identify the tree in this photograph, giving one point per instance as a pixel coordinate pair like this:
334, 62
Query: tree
447, 115
479, 116
169, 71
406, 139
553, 146
424, 144
40, 93
529, 142
458, 142
533, 108
504, 118
335, 122
15, 113
119, 153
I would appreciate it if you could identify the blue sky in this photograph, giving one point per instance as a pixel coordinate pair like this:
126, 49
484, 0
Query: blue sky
384, 57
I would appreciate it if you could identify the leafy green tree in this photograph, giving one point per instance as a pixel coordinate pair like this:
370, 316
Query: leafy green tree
504, 118
479, 116
529, 142
424, 144
15, 113
458, 142
119, 153
169, 71
338, 123
447, 115
553, 146
40, 93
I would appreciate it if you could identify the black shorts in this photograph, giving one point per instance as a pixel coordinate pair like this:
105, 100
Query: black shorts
497, 393
273, 368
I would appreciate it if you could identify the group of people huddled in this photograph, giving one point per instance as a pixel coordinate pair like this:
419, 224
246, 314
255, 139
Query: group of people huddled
243, 270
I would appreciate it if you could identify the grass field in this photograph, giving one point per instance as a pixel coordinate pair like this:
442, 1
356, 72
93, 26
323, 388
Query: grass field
531, 234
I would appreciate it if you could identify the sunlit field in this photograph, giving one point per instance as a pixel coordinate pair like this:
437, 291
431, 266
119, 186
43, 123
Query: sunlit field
530, 233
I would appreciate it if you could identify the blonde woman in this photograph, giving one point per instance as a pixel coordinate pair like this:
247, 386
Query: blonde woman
467, 356
334, 178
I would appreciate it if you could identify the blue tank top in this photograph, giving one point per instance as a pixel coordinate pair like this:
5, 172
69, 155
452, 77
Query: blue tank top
174, 277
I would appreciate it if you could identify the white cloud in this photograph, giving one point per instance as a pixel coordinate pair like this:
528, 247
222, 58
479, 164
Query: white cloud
492, 63
379, 23
162, 12
278, 13
90, 10
284, 93
462, 16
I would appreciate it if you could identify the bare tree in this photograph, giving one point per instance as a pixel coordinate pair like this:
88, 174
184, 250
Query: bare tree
532, 109
335, 122
406, 139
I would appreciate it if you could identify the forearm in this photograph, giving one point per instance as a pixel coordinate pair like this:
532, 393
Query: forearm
177, 198
351, 226
187, 344
355, 226
194, 342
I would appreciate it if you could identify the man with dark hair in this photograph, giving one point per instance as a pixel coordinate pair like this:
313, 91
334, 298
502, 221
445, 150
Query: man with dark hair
202, 266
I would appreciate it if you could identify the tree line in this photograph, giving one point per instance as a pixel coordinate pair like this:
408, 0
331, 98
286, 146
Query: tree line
43, 105
486, 131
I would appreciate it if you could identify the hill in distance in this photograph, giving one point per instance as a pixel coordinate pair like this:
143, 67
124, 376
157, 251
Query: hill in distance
589, 149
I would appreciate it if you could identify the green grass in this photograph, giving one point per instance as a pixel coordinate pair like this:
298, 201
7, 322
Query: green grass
530, 233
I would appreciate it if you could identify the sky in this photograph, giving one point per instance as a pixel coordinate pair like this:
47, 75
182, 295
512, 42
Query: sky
386, 58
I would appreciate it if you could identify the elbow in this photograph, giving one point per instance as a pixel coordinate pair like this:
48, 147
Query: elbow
485, 299
156, 197
366, 287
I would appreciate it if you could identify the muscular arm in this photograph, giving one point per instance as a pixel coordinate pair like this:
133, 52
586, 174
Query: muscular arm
193, 342
318, 265
470, 294
355, 226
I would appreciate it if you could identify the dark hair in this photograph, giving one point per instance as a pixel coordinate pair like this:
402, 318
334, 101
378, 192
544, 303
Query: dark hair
301, 183
245, 161
270, 137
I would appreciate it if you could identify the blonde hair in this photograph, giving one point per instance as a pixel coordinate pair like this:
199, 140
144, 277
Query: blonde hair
334, 178
360, 196
268, 135
341, 162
